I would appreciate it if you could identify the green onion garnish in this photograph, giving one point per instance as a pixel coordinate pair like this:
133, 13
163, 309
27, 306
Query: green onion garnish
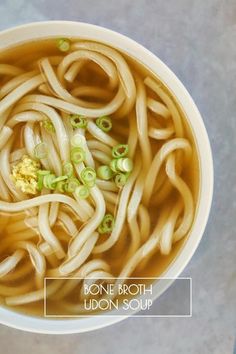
121, 179
47, 124
124, 164
78, 121
77, 155
104, 123
49, 181
60, 183
104, 172
68, 169
82, 192
41, 151
60, 178
120, 150
41, 174
61, 186
63, 44
88, 176
71, 184
77, 140
107, 224
113, 165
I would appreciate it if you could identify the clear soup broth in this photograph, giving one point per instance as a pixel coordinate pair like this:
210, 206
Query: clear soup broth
99, 174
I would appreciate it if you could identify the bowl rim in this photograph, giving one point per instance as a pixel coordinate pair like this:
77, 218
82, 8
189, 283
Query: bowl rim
49, 29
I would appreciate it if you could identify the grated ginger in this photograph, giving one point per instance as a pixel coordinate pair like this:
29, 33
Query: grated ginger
24, 175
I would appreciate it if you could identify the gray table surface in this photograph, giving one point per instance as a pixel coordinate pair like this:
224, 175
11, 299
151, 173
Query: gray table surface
197, 40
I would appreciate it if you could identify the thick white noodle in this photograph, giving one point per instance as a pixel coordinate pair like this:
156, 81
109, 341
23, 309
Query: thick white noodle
93, 223
4, 117
169, 103
33, 296
121, 212
17, 155
100, 135
37, 201
158, 108
57, 87
186, 195
53, 156
145, 222
16, 81
80, 256
125, 74
46, 231
73, 59
9, 263
84, 271
97, 145
142, 124
106, 185
56, 120
5, 171
168, 229
161, 155
5, 134
161, 133
19, 92
68, 107
101, 157
133, 135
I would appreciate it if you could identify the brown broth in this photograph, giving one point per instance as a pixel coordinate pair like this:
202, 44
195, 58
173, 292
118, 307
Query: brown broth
24, 55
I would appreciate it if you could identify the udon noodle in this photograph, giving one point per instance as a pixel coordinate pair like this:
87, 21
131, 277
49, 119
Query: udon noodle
63, 112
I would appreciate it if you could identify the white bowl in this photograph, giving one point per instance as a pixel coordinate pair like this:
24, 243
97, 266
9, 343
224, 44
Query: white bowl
40, 30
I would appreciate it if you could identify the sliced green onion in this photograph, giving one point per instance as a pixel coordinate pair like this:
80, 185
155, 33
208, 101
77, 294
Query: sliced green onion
60, 178
78, 140
40, 183
41, 174
48, 181
71, 184
68, 169
41, 151
121, 179
47, 124
124, 164
107, 224
120, 150
82, 192
88, 176
113, 165
60, 183
104, 172
61, 186
78, 121
77, 155
63, 44
104, 123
